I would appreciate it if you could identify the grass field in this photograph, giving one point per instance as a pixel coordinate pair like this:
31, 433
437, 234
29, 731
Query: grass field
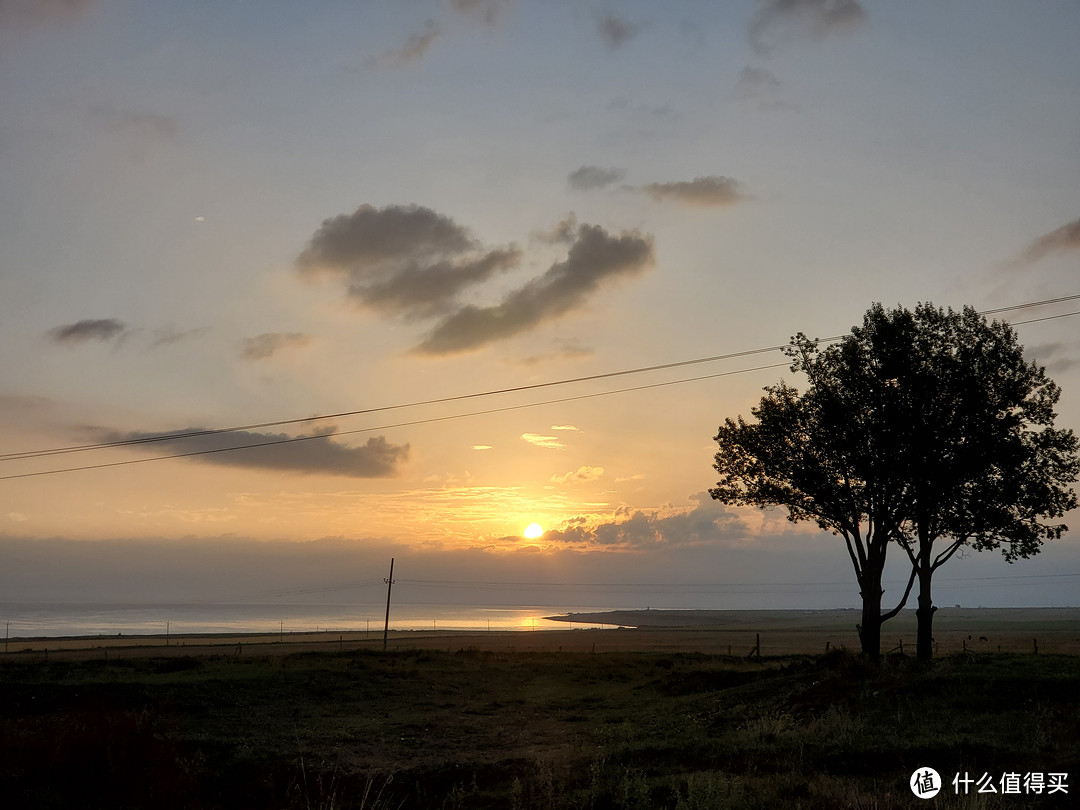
483, 728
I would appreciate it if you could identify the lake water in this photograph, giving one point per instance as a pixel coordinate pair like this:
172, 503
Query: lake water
24, 619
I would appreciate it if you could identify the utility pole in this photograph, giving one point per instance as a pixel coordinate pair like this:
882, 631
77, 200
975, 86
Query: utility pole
389, 584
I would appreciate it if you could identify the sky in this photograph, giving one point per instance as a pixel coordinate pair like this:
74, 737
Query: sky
249, 214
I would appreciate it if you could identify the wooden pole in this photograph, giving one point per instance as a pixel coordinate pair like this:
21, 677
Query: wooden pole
389, 584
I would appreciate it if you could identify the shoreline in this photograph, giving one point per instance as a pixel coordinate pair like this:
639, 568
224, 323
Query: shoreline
736, 633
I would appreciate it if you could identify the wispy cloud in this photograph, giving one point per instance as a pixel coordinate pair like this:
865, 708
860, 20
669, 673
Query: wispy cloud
550, 442
308, 453
596, 257
703, 192
402, 258
412, 50
581, 475
615, 31
1064, 239
565, 427
587, 178
142, 124
813, 19
268, 344
486, 11
100, 329
567, 350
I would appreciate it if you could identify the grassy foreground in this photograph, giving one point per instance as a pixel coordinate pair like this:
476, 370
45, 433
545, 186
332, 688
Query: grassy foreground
424, 729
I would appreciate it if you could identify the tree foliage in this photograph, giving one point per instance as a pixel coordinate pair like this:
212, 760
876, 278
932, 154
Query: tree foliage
919, 426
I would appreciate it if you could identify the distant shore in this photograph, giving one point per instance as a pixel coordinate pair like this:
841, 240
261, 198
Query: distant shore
726, 632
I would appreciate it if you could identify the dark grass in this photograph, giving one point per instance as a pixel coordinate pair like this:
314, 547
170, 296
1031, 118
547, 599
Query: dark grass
530, 730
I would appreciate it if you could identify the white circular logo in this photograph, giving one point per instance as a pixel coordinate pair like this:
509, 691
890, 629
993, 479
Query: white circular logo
925, 783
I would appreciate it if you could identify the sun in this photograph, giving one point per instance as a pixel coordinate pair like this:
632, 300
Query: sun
533, 530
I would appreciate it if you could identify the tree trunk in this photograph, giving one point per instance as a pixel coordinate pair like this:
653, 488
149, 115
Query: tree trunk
924, 648
870, 629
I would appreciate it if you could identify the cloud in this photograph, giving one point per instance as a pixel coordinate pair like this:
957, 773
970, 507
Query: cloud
309, 453
707, 523
412, 50
486, 11
581, 475
814, 19
756, 83
703, 192
550, 442
1065, 238
564, 232
168, 335
594, 258
1056, 356
402, 258
567, 350
565, 427
615, 31
481, 447
267, 344
103, 329
592, 177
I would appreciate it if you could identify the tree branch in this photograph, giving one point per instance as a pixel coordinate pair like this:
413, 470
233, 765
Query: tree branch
944, 556
911, 581
854, 559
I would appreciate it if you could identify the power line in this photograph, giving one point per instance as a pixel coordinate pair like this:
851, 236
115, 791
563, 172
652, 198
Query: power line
384, 427
442, 400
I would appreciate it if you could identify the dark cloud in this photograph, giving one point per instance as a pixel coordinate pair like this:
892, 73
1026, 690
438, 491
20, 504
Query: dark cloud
615, 31
706, 523
406, 259
486, 11
103, 329
701, 191
412, 50
428, 290
1065, 238
815, 19
267, 344
590, 177
594, 257
310, 453
1056, 357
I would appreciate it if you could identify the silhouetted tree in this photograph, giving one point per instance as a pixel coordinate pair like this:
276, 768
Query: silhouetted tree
917, 427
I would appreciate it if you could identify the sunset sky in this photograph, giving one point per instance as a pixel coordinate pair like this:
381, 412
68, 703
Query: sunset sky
221, 214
